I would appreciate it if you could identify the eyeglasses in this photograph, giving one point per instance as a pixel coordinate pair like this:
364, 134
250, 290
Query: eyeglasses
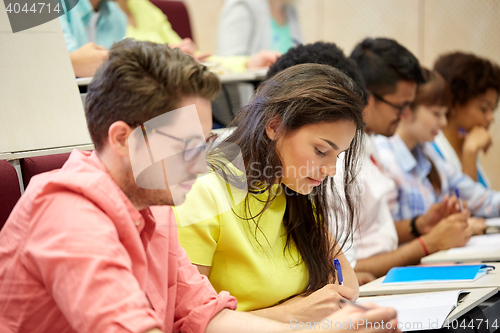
192, 146
400, 108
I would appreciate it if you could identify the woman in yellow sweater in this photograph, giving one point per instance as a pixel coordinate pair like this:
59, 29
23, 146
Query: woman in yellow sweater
259, 228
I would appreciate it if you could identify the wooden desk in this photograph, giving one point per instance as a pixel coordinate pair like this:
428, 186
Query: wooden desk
374, 288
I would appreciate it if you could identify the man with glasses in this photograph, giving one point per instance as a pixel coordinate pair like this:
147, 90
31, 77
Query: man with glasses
82, 250
391, 74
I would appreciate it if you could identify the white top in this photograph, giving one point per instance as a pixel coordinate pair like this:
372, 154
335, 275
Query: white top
376, 232
245, 28
445, 149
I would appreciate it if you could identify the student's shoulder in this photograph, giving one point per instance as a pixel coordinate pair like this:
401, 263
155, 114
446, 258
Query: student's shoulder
385, 150
138, 7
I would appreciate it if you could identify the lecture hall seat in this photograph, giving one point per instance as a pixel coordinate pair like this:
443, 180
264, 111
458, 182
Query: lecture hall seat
32, 166
177, 15
10, 191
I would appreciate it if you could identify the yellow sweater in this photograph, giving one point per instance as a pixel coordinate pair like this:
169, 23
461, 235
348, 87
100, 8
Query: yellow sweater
258, 273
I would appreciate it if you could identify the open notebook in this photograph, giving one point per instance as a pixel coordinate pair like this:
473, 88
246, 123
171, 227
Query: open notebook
482, 243
420, 311
435, 274
493, 222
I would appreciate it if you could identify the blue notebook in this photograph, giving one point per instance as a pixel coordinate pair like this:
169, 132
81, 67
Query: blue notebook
419, 274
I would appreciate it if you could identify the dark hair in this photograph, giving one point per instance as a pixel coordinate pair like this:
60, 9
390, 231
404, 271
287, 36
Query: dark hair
142, 80
298, 96
320, 53
467, 75
383, 62
434, 92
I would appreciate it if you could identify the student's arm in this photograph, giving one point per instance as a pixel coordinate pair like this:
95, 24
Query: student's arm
476, 140
87, 59
379, 265
426, 222
450, 232
232, 321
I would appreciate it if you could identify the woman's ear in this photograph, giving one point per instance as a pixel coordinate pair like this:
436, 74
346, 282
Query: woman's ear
272, 129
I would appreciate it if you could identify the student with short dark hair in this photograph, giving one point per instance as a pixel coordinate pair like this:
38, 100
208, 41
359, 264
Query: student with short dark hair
319, 53
392, 74
475, 87
82, 252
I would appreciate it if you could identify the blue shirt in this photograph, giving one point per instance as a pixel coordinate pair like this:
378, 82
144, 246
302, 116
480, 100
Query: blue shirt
409, 170
110, 26
481, 179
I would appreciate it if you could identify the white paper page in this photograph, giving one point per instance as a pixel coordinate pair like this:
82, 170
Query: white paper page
483, 243
420, 311
494, 222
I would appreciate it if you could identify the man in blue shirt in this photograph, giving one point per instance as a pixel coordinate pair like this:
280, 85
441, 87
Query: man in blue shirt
90, 28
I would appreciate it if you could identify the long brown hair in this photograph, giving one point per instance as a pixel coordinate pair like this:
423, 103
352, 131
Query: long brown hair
298, 96
434, 92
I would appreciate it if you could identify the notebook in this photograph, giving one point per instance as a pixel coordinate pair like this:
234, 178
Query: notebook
493, 222
420, 311
435, 274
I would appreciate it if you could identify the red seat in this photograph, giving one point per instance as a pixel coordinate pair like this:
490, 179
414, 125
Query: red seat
10, 191
177, 15
34, 165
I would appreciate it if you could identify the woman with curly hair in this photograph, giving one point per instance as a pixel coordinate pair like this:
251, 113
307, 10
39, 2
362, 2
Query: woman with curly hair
475, 87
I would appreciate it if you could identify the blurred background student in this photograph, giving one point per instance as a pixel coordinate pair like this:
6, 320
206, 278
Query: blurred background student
146, 22
421, 176
475, 86
249, 26
90, 28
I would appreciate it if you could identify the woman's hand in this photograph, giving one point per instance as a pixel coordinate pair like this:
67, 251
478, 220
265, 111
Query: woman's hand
477, 139
320, 304
354, 319
478, 225
453, 231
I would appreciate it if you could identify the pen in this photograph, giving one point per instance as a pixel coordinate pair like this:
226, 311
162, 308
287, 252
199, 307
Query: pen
338, 269
344, 301
459, 200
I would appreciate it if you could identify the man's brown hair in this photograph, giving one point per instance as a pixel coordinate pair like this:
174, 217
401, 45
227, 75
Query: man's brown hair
142, 80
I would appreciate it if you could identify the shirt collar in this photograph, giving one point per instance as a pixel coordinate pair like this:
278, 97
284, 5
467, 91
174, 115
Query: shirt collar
86, 9
409, 161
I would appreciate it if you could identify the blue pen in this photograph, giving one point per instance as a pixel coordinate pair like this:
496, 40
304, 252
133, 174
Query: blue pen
338, 269
459, 200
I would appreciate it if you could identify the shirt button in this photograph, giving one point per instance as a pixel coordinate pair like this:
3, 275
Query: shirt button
137, 222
